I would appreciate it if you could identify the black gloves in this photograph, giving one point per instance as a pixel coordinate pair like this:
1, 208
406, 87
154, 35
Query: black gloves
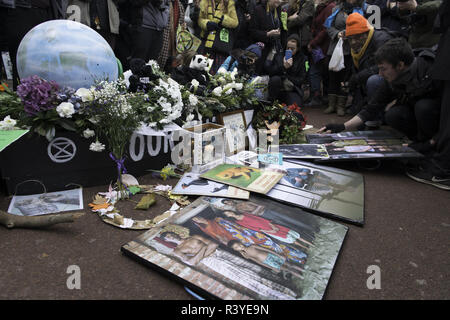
335, 127
211, 26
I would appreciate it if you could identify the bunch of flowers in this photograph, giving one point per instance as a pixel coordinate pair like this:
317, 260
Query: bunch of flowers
290, 118
231, 90
8, 123
46, 106
114, 119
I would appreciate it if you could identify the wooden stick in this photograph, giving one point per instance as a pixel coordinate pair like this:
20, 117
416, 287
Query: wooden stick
14, 221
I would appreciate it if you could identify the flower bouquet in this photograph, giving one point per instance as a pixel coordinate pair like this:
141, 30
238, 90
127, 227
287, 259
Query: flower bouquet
290, 119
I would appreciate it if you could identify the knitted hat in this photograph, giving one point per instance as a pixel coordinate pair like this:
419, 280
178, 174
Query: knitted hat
356, 24
256, 48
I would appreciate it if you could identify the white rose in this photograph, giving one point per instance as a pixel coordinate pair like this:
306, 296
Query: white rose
222, 70
86, 95
88, 133
193, 100
238, 86
65, 110
97, 146
217, 91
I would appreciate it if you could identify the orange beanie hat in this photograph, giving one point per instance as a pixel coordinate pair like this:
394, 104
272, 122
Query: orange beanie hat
356, 24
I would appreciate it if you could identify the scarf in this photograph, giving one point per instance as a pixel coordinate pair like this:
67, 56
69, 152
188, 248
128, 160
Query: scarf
358, 55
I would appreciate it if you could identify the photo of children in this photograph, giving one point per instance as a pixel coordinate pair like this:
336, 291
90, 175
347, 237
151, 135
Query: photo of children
246, 248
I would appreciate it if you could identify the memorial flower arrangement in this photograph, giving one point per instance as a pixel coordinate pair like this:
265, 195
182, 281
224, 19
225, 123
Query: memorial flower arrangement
290, 120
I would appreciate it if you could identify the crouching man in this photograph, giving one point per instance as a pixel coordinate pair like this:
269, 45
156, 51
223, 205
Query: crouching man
408, 99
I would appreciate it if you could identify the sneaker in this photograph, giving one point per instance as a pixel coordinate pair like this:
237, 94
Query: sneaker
426, 175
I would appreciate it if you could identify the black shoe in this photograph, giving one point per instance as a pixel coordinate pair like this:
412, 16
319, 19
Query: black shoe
426, 174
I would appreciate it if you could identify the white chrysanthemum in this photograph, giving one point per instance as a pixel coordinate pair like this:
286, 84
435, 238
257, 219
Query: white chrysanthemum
97, 146
65, 110
88, 133
193, 100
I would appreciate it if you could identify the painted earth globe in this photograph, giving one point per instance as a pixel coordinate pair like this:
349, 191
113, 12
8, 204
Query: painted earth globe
68, 52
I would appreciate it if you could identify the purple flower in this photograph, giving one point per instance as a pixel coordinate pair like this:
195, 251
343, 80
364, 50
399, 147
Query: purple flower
38, 94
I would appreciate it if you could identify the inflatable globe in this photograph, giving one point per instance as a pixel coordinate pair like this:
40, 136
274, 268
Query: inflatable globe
67, 52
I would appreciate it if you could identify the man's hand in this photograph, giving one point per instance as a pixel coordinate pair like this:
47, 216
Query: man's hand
341, 34
332, 128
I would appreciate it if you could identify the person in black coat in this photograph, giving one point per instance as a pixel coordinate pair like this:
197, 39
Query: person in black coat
435, 170
19, 19
266, 26
287, 75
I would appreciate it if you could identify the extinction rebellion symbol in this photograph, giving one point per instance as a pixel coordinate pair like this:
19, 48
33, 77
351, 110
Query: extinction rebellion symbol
61, 150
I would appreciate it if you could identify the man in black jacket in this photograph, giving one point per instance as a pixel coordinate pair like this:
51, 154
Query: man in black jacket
407, 81
435, 170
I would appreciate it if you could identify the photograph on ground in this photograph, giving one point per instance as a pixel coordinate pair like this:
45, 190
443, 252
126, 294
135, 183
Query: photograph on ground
244, 249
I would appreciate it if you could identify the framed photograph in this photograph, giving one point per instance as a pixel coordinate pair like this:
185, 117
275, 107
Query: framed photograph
364, 145
331, 192
45, 203
304, 151
243, 249
191, 184
235, 130
244, 177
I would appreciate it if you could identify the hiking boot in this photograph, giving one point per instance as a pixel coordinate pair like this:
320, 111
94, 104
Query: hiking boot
332, 99
426, 174
340, 105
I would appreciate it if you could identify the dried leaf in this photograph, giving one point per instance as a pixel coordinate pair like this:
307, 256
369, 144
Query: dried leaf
96, 207
145, 202
98, 199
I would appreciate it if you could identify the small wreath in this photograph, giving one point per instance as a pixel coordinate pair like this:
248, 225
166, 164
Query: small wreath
104, 204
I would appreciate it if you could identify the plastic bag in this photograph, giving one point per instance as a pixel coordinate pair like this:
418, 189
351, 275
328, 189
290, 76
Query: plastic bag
337, 59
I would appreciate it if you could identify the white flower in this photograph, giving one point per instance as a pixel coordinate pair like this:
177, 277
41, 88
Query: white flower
8, 123
65, 110
222, 70
217, 91
85, 94
195, 83
193, 100
94, 119
190, 117
228, 87
227, 92
97, 146
238, 86
88, 133
154, 64
126, 76
222, 80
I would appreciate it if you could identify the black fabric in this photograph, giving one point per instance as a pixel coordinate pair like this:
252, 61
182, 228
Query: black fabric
19, 21
147, 43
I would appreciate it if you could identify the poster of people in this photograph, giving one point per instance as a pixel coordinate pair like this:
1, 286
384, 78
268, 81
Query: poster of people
244, 177
244, 249
364, 144
304, 151
333, 192
191, 184
45, 203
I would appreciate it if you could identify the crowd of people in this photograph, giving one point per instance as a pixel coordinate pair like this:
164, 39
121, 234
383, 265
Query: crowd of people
392, 54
